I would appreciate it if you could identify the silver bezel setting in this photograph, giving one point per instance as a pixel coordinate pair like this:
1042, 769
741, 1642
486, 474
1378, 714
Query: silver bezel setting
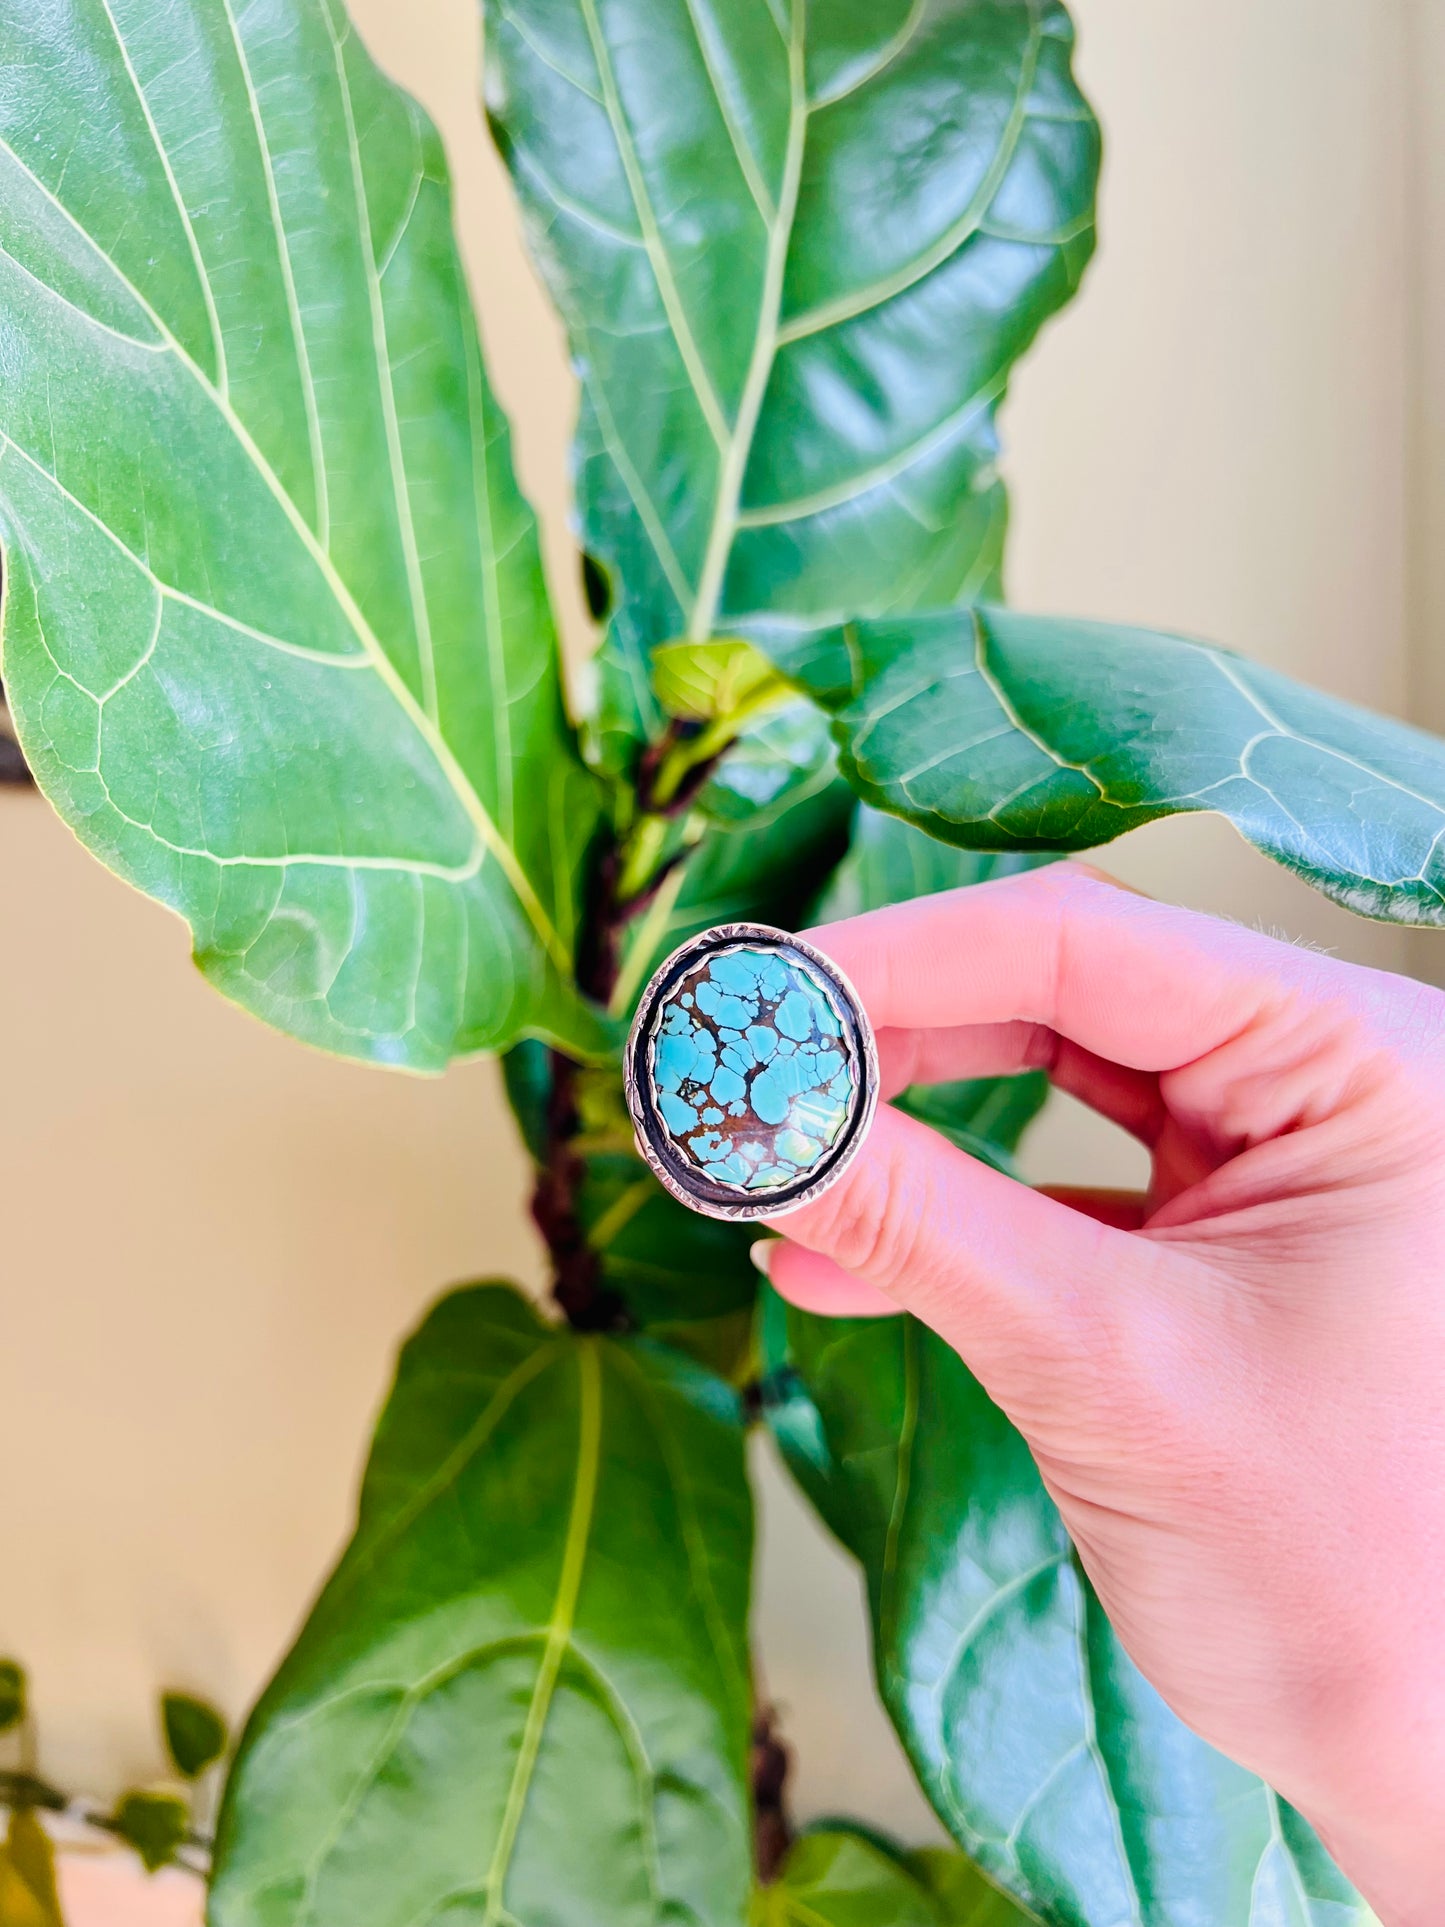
689, 1186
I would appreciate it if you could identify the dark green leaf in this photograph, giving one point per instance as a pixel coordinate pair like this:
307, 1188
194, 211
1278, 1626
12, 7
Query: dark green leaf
275, 634
985, 1116
798, 249
12, 1694
523, 1697
997, 731
685, 1279
1049, 1758
155, 1824
195, 1733
889, 861
527, 1076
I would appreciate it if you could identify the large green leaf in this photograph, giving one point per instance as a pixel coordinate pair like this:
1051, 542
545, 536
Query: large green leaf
275, 635
834, 1877
1000, 731
523, 1698
889, 861
798, 245
1049, 1758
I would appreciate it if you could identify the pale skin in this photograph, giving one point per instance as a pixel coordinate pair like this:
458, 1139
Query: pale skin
1234, 1386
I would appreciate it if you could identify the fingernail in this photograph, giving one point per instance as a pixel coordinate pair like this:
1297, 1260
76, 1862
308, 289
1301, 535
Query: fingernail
761, 1254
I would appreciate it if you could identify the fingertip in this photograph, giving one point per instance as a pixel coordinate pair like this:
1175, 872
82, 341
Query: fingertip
814, 1283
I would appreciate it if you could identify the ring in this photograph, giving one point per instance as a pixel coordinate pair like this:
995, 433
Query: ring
751, 1072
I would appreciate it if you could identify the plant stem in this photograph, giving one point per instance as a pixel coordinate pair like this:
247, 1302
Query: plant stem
29, 1790
772, 1829
13, 767
577, 1284
629, 869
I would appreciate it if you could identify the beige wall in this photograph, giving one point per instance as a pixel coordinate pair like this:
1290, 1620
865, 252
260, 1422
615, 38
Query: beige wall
212, 1238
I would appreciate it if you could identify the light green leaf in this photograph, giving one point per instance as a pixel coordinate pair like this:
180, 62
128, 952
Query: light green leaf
836, 1877
1049, 1758
154, 1824
775, 820
998, 731
709, 682
523, 1697
844, 1880
275, 636
195, 1733
964, 1897
798, 248
29, 1894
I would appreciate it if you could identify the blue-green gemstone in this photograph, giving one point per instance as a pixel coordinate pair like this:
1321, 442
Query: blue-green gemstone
750, 1069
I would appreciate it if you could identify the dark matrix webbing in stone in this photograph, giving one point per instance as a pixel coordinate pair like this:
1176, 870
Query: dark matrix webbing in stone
750, 1068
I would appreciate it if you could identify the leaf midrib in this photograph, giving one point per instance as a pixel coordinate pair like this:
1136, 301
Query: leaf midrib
560, 1623
733, 467
386, 387
771, 333
320, 481
486, 831
858, 301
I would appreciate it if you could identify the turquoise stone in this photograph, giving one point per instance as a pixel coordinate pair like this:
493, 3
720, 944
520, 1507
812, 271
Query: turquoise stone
750, 1069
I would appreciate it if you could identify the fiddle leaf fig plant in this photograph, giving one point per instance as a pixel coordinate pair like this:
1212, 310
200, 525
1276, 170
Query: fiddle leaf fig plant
276, 644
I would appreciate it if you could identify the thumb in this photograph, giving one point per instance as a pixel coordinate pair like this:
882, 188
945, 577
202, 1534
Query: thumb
1029, 1291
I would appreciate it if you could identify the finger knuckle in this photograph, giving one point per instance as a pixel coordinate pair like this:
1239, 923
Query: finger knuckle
877, 1229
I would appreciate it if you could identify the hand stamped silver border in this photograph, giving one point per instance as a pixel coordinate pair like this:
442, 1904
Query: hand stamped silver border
683, 1180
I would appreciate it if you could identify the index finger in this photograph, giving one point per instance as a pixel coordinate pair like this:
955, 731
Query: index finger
1138, 982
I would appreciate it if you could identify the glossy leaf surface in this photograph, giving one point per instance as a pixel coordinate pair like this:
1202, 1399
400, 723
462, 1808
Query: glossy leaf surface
1049, 1758
1000, 731
523, 1697
837, 1878
798, 245
275, 634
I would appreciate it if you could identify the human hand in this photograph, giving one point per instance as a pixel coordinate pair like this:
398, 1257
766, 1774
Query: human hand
1235, 1386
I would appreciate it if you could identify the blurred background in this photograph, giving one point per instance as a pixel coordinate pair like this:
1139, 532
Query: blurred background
212, 1239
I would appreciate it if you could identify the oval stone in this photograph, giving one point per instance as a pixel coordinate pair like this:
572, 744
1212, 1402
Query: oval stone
752, 1075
